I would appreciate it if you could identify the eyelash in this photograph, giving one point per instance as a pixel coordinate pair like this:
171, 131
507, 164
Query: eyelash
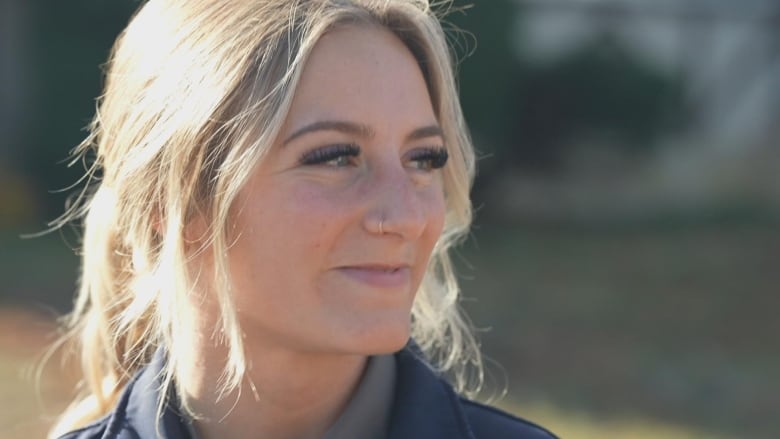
434, 157
329, 153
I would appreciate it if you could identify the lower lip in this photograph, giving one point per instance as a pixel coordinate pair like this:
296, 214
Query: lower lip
379, 278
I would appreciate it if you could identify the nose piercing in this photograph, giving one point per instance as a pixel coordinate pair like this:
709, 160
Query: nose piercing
381, 229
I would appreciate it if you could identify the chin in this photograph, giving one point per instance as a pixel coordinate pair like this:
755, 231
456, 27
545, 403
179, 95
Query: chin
381, 337
391, 344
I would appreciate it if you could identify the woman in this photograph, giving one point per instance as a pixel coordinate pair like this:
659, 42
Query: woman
280, 184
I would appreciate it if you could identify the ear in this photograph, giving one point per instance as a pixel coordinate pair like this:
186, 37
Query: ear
157, 223
196, 229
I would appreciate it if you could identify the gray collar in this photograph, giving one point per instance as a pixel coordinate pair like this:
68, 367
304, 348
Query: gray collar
367, 413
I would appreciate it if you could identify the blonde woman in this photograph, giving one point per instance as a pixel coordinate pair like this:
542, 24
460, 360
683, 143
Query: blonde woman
279, 184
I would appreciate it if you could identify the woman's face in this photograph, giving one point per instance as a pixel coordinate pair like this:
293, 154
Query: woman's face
312, 268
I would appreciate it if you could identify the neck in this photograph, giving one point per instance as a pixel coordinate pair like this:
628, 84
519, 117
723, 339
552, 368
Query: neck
287, 394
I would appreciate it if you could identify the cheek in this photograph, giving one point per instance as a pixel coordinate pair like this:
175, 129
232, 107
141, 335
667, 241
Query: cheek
315, 214
282, 239
293, 219
436, 213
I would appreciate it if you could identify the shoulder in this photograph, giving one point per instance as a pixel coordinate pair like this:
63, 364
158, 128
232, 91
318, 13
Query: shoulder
113, 425
426, 406
96, 430
135, 415
489, 422
101, 429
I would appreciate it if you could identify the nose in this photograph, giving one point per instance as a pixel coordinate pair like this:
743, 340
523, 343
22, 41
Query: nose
396, 206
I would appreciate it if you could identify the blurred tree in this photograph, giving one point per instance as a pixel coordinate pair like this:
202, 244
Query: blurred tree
526, 114
599, 92
70, 41
485, 40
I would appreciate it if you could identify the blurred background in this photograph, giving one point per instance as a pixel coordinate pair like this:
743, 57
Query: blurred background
623, 268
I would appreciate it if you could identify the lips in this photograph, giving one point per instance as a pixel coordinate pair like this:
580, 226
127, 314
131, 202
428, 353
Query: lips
379, 275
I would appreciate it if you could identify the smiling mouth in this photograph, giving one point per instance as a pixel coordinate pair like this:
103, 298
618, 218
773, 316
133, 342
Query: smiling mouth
379, 276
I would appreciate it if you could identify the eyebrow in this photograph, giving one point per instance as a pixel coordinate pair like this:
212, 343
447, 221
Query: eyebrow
427, 131
360, 130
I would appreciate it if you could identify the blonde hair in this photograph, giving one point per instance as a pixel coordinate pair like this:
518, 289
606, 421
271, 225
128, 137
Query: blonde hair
196, 91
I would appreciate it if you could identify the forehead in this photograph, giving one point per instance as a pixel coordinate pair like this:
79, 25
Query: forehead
361, 72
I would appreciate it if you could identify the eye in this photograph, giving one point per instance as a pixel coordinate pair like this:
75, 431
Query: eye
429, 158
332, 155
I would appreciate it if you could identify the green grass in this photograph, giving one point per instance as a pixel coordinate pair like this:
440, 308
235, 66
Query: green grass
672, 325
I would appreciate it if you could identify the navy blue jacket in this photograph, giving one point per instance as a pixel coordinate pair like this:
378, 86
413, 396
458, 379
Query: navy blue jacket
425, 407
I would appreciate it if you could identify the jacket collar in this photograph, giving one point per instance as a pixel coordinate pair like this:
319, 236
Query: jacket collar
424, 406
141, 402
